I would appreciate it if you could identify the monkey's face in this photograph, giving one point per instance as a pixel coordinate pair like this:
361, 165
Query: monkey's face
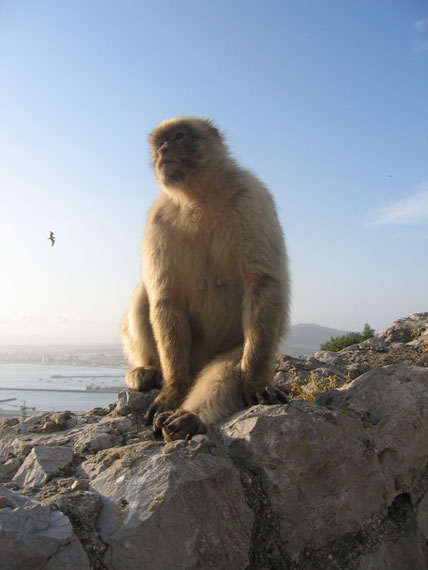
174, 156
181, 148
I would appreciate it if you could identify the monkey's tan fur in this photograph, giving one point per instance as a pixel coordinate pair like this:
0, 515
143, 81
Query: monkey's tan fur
212, 302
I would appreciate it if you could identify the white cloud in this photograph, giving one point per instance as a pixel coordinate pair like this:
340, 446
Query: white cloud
421, 47
409, 210
421, 24
421, 27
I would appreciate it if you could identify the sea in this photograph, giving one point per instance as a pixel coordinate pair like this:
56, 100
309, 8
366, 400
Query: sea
46, 387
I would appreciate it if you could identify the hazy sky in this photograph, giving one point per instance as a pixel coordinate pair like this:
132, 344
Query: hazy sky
325, 100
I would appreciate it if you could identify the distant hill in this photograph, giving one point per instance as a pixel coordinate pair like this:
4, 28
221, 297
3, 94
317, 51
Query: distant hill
305, 339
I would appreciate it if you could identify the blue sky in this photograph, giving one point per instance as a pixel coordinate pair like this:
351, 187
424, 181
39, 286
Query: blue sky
324, 100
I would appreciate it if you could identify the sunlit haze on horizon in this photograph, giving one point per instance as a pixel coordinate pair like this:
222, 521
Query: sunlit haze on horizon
325, 101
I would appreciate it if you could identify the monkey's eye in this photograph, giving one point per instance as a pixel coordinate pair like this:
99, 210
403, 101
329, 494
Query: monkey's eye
179, 136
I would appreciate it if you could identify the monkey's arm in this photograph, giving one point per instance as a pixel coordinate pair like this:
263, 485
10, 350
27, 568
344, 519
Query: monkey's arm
168, 315
137, 335
173, 339
263, 305
262, 262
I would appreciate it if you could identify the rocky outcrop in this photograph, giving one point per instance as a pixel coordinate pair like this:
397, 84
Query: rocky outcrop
33, 535
338, 483
404, 342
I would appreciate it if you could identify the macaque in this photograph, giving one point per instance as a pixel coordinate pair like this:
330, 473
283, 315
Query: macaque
205, 320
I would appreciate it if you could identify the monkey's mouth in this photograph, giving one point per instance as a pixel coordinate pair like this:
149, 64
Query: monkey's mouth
167, 162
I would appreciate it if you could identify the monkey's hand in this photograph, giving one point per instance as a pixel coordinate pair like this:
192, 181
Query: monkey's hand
268, 396
178, 425
144, 378
168, 400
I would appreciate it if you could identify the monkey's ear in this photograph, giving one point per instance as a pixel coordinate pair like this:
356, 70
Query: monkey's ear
216, 132
212, 129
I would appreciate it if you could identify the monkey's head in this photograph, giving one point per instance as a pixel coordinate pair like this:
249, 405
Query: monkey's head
183, 148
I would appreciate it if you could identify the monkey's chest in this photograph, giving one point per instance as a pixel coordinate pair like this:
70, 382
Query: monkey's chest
212, 287
202, 272
213, 299
207, 267
214, 309
210, 272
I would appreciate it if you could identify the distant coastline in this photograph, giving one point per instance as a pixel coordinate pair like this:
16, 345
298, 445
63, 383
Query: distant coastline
98, 355
57, 387
106, 390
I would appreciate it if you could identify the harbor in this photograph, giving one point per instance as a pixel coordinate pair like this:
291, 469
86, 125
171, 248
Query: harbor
56, 388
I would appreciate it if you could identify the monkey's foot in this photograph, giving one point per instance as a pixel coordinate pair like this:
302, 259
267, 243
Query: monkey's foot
167, 401
178, 425
144, 378
268, 396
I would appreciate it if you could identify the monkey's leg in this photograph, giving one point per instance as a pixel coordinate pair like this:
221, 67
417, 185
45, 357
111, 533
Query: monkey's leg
220, 390
184, 425
217, 393
177, 425
268, 396
139, 344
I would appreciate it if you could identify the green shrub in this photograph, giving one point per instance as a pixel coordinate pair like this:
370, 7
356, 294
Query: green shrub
340, 342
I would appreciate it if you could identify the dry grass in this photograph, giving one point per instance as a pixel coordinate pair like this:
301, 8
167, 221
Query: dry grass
310, 390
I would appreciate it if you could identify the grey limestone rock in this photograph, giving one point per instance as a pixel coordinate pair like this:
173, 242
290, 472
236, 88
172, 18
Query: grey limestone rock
129, 401
101, 435
404, 342
179, 509
9, 468
35, 537
317, 467
56, 421
339, 483
406, 329
41, 464
393, 403
406, 553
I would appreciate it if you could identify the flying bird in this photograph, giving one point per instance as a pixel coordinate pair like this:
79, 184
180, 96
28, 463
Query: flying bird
52, 238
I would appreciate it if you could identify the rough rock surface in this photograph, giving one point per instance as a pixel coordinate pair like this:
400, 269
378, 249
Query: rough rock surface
42, 463
338, 483
33, 535
181, 489
404, 342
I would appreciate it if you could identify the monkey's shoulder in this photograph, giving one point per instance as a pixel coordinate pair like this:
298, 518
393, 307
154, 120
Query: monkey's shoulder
162, 212
248, 191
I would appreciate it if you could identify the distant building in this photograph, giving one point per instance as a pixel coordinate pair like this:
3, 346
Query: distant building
44, 358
